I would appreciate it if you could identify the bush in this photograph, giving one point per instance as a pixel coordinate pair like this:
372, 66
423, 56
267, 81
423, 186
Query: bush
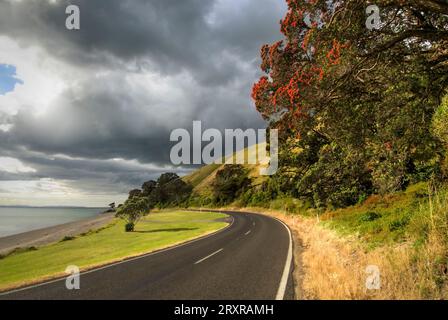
129, 227
67, 238
369, 216
230, 183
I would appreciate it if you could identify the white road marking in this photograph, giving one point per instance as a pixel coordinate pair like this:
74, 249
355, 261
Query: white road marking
284, 280
247, 233
209, 256
63, 278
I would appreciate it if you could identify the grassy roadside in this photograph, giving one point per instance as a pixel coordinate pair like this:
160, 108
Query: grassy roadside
109, 244
404, 234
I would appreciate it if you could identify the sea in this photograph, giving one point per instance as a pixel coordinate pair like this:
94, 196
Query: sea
14, 220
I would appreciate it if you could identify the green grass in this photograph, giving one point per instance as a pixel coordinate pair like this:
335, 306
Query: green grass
197, 177
382, 220
156, 231
203, 178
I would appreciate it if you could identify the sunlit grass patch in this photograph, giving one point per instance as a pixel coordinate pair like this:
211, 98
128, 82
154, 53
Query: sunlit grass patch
156, 231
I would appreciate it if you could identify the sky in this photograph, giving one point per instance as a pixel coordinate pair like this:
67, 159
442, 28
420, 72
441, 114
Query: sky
86, 115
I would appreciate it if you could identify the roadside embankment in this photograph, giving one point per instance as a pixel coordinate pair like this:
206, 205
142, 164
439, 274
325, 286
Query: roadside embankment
334, 258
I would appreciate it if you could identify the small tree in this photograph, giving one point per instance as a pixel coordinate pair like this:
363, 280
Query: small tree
132, 211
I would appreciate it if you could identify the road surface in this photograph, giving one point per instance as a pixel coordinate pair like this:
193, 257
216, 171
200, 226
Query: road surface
250, 259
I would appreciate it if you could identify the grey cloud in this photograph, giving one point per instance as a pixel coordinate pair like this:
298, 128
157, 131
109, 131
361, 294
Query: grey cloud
168, 36
208, 50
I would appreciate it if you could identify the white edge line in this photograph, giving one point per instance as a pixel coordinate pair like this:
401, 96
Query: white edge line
286, 270
120, 262
209, 256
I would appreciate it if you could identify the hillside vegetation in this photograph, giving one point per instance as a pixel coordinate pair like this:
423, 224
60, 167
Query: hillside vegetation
405, 233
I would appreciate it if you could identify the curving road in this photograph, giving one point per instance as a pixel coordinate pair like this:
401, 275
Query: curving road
250, 259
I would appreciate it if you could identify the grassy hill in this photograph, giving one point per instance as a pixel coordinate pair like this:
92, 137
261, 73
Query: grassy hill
377, 220
202, 179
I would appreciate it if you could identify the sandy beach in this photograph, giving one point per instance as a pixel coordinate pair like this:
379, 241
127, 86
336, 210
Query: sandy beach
48, 235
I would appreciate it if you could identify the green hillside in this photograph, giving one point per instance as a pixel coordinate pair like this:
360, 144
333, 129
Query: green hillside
202, 179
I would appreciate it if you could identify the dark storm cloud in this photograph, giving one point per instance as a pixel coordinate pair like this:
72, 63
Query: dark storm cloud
207, 50
168, 36
160, 32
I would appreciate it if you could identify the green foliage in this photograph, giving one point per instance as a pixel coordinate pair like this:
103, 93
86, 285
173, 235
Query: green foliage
357, 110
129, 227
170, 190
200, 201
440, 130
67, 238
440, 121
384, 219
337, 179
148, 187
369, 216
288, 204
133, 210
230, 182
135, 193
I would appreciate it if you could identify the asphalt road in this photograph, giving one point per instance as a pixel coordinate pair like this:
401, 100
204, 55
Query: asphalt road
250, 259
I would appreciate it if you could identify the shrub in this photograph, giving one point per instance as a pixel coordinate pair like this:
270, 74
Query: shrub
129, 227
67, 238
231, 182
369, 216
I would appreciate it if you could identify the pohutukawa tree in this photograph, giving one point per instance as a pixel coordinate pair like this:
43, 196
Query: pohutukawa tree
354, 105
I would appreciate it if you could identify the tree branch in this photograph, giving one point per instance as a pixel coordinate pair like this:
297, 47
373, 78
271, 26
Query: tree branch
422, 33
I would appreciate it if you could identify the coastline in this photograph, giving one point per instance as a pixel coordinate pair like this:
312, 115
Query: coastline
52, 234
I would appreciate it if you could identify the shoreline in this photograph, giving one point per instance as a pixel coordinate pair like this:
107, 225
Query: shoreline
40, 237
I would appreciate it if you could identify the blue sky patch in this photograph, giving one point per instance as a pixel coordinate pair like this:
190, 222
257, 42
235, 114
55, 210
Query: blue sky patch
8, 78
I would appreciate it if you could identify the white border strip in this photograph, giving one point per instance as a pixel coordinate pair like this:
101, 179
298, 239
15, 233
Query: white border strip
287, 269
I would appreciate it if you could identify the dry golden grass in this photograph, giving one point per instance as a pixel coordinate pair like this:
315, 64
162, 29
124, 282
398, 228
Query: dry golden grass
328, 266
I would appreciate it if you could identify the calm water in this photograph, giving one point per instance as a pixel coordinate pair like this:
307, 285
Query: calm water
17, 220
